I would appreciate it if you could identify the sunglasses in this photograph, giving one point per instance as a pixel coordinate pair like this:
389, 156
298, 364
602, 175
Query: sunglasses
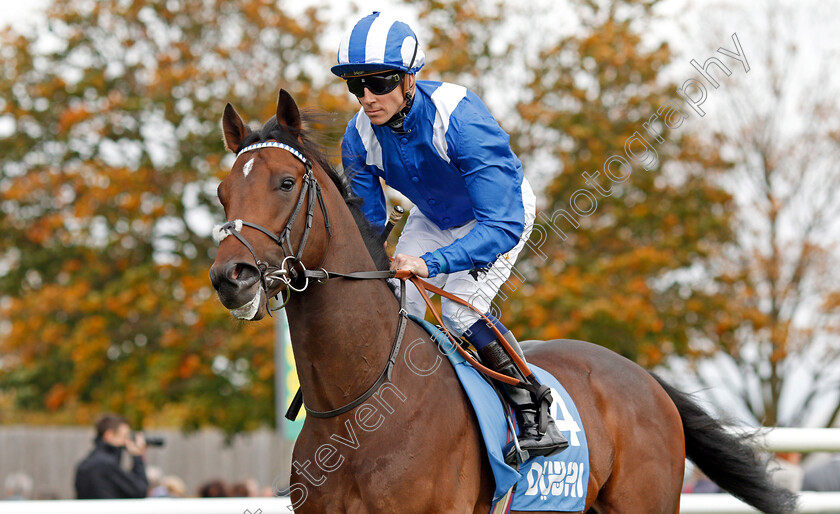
378, 84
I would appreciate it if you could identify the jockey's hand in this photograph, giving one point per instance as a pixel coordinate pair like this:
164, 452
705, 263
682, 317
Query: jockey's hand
415, 265
136, 445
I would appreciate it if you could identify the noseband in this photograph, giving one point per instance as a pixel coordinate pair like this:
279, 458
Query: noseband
268, 272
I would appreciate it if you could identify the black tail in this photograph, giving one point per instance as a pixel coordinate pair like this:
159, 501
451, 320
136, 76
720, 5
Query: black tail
728, 459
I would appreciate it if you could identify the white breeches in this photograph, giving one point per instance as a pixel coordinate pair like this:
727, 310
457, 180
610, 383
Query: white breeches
421, 235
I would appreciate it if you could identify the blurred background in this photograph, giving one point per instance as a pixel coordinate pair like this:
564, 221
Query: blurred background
716, 265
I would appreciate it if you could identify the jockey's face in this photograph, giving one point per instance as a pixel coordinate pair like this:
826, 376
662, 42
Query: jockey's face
381, 108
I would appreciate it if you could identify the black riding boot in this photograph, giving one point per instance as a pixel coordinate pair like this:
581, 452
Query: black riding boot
530, 437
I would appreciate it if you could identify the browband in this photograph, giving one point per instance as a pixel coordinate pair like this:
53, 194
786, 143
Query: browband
275, 144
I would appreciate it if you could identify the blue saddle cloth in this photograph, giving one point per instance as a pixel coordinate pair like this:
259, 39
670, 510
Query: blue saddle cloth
554, 484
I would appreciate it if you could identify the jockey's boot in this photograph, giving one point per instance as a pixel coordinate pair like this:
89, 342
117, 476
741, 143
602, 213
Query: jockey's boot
531, 438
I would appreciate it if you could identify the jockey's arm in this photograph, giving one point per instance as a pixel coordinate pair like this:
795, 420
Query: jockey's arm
493, 176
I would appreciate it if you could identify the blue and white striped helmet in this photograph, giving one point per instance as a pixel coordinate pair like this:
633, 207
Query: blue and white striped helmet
378, 42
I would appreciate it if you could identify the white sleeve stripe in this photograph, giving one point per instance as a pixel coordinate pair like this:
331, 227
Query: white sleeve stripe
446, 98
372, 147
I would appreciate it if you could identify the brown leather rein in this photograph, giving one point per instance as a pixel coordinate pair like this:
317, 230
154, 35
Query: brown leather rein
422, 286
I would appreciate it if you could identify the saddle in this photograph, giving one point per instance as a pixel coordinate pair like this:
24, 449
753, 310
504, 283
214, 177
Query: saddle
513, 454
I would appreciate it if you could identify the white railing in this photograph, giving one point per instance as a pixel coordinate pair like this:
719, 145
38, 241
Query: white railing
152, 506
809, 502
690, 504
801, 440
776, 440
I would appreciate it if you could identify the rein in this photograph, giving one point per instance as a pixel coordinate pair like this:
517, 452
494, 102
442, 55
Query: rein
322, 276
312, 190
297, 401
424, 286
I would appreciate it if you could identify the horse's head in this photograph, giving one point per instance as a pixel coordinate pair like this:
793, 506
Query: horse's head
277, 219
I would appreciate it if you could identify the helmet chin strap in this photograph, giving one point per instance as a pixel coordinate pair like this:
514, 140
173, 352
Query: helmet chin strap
397, 120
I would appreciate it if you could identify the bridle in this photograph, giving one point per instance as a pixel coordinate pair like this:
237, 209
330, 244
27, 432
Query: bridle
288, 275
287, 272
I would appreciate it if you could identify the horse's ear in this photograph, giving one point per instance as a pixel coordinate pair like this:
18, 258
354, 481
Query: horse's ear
287, 112
234, 129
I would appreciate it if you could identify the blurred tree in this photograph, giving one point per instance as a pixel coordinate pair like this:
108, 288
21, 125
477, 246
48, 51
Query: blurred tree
779, 330
107, 192
730, 261
590, 82
619, 250
463, 45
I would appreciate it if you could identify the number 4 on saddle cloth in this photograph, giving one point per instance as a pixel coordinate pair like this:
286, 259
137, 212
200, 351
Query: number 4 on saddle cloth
555, 484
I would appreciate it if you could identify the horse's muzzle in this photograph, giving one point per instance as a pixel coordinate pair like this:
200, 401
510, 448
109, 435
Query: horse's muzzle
234, 282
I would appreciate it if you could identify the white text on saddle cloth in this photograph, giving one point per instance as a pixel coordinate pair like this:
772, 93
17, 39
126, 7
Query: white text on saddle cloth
564, 421
553, 478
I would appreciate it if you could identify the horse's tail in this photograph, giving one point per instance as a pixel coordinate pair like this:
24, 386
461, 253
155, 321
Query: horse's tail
728, 459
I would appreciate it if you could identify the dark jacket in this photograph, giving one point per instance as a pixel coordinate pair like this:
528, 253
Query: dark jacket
100, 475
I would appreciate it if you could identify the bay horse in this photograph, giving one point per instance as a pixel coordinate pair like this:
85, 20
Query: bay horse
412, 444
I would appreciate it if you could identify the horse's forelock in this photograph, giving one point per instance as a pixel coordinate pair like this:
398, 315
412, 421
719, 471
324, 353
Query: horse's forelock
302, 142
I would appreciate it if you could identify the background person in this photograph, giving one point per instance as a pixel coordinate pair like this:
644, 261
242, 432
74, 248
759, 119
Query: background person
216, 488
699, 483
175, 486
153, 476
824, 476
18, 486
787, 470
100, 475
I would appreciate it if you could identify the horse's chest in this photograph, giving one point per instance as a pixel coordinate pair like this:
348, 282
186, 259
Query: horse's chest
366, 472
419, 451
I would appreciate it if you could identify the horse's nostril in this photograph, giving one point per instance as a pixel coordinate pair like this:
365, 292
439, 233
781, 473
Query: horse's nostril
242, 274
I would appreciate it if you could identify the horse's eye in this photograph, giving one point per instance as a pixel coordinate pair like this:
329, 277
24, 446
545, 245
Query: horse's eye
287, 184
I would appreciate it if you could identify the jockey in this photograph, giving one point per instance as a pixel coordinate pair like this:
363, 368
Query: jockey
473, 210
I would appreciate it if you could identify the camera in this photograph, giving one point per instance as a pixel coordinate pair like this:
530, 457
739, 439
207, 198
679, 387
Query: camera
154, 441
151, 440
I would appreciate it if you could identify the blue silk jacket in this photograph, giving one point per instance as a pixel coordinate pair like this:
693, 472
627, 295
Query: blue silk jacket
456, 165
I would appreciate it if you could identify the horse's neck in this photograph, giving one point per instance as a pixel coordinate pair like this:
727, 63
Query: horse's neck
342, 333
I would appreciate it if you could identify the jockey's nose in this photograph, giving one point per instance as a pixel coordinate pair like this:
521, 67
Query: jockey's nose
368, 97
233, 276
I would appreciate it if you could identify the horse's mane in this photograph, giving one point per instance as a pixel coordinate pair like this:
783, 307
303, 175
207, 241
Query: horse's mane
315, 152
